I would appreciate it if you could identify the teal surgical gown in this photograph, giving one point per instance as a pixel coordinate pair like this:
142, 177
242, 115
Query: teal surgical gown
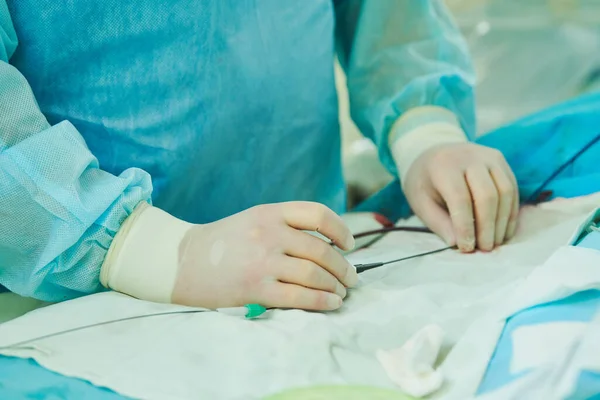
203, 107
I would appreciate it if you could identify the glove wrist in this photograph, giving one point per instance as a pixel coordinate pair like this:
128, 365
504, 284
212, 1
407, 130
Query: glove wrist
143, 259
419, 130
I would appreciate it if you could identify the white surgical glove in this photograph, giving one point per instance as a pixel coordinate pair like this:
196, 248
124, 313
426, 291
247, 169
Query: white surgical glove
464, 192
260, 255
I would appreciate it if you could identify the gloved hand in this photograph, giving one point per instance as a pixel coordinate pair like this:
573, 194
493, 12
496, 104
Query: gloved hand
260, 255
466, 193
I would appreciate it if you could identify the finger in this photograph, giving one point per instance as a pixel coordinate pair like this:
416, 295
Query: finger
304, 246
285, 295
456, 195
317, 217
308, 274
513, 221
506, 194
436, 218
485, 202
514, 213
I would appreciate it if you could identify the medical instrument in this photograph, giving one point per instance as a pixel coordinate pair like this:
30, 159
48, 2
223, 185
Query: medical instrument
419, 229
81, 328
249, 311
534, 197
365, 267
387, 229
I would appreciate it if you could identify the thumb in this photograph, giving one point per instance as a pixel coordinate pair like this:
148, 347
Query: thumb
436, 218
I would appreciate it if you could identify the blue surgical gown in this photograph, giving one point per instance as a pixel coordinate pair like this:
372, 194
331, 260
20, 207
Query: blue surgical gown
203, 107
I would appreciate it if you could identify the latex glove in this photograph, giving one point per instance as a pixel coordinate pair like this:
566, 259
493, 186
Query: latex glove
464, 192
260, 255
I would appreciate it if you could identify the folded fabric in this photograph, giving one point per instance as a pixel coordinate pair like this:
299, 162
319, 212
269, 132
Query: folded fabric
411, 366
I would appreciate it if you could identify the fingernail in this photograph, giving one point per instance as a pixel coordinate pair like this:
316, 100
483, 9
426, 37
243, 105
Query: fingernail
467, 245
334, 302
488, 241
340, 290
351, 277
349, 243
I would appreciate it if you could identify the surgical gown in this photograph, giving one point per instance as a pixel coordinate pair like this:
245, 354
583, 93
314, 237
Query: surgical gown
202, 107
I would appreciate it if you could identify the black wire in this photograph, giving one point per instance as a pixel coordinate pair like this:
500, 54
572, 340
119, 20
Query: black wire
535, 195
51, 335
365, 267
418, 229
387, 229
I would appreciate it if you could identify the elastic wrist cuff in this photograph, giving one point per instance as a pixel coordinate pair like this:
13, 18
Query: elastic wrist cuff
143, 259
420, 130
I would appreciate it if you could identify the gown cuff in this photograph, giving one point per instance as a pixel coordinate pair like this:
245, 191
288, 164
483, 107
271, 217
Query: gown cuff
419, 130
